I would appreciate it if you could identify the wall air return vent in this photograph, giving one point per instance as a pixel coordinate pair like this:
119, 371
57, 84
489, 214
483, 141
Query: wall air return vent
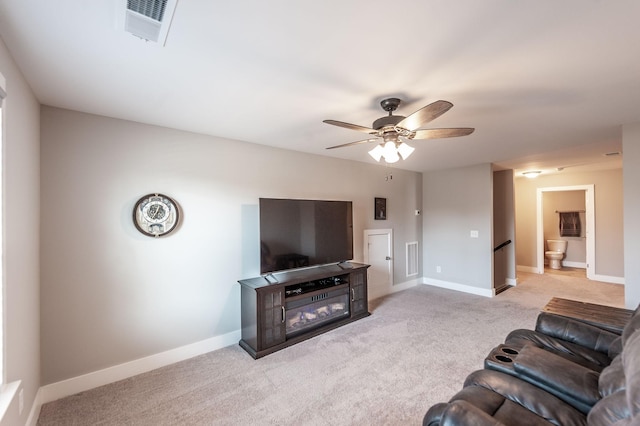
149, 19
412, 258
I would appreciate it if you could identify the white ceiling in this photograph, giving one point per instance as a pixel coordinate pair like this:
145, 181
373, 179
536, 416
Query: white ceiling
546, 83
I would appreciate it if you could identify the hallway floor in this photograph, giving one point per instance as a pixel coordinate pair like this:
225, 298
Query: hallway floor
571, 272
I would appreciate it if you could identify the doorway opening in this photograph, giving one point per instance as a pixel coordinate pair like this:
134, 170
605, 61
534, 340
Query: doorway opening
589, 228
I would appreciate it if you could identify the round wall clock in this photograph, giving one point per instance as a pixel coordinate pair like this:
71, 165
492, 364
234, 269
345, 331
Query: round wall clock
155, 215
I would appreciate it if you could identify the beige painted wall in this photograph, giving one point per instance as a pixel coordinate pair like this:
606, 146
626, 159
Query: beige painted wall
504, 268
457, 201
631, 166
21, 176
111, 295
609, 251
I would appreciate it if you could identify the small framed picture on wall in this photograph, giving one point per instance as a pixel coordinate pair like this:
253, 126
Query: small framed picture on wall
380, 209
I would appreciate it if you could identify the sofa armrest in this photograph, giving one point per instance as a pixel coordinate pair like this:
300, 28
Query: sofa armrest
571, 382
461, 413
575, 331
544, 406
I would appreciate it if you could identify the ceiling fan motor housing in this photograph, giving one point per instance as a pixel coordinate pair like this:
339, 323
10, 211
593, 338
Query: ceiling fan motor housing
390, 104
390, 120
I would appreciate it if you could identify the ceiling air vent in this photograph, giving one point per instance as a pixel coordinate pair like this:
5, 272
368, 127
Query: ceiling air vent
149, 19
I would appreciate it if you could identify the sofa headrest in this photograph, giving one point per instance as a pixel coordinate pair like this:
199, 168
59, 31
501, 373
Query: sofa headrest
615, 348
631, 365
631, 328
620, 387
612, 378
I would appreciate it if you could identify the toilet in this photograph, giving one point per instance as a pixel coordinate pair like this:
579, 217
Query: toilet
557, 249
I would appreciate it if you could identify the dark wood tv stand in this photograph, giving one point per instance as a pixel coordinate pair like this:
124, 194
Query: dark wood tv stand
292, 306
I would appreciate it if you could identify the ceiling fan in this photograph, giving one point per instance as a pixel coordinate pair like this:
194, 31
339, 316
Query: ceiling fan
394, 129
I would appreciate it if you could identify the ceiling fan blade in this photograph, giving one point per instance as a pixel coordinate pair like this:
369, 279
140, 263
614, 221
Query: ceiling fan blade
443, 133
425, 115
351, 126
353, 143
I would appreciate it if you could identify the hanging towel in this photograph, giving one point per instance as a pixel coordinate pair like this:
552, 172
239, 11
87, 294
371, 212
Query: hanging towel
569, 224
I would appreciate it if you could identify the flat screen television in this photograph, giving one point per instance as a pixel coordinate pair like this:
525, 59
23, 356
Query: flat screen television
304, 233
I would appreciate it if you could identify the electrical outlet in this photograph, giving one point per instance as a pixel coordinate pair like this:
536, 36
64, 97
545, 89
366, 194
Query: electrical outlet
20, 401
474, 234
438, 269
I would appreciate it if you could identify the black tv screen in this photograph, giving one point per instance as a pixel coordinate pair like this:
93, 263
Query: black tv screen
302, 233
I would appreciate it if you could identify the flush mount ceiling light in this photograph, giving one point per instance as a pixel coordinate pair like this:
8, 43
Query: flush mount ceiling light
394, 129
531, 174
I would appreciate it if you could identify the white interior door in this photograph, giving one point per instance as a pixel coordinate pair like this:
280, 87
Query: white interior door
378, 244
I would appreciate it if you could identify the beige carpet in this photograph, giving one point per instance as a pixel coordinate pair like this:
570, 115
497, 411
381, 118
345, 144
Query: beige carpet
387, 369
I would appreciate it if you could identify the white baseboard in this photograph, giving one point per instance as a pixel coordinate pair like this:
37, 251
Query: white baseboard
92, 380
570, 264
512, 281
530, 269
8, 404
34, 413
405, 285
459, 287
609, 279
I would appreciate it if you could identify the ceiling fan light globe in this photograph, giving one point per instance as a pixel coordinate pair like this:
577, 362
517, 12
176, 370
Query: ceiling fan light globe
389, 149
376, 153
390, 152
405, 150
392, 158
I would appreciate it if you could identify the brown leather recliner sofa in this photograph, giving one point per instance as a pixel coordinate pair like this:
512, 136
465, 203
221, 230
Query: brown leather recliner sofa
564, 372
